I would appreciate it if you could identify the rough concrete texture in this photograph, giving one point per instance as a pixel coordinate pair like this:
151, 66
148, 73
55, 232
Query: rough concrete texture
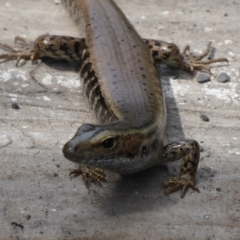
38, 200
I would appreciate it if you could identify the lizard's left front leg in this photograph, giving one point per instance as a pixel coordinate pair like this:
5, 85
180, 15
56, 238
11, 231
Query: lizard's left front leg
189, 150
170, 54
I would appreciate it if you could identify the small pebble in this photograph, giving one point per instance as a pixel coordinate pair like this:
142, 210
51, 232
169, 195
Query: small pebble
204, 117
223, 77
203, 77
218, 189
55, 174
15, 106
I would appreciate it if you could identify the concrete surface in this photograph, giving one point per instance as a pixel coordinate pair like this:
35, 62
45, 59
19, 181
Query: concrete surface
38, 200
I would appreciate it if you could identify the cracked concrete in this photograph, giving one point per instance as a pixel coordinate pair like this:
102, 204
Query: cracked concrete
38, 198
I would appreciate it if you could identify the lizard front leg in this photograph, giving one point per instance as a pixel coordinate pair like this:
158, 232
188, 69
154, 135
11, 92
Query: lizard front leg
51, 46
95, 175
170, 54
189, 151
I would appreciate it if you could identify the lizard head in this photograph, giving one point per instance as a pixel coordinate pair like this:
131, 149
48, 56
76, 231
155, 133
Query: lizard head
107, 147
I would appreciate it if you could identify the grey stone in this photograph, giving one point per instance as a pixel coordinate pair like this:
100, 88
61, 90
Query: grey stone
203, 77
223, 77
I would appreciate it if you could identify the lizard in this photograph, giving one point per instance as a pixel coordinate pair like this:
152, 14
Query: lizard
120, 80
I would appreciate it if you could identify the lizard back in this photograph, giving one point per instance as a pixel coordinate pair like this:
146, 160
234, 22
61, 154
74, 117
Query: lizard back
118, 69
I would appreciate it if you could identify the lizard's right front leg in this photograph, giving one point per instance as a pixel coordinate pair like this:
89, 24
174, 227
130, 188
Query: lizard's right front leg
57, 47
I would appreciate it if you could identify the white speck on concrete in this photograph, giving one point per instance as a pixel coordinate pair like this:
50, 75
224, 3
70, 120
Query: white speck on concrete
206, 29
46, 98
5, 140
5, 76
21, 74
22, 35
36, 133
70, 82
176, 89
57, 2
47, 80
10, 73
235, 72
231, 54
197, 52
160, 27
12, 95
228, 95
235, 150
165, 13
228, 42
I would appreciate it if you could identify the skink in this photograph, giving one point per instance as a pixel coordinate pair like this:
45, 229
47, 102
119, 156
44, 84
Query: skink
123, 88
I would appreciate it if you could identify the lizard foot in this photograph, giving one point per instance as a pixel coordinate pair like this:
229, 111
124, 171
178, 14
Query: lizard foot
183, 182
192, 62
95, 175
25, 50
189, 151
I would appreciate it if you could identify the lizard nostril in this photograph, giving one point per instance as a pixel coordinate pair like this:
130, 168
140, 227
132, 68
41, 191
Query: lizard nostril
76, 148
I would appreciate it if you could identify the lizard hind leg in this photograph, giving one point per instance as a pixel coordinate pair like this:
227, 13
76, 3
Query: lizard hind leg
170, 54
50, 46
189, 151
192, 62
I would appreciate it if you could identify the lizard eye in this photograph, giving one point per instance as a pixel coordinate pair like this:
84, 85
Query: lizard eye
108, 142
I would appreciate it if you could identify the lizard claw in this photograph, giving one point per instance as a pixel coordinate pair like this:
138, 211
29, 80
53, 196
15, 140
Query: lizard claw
182, 182
24, 51
95, 175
